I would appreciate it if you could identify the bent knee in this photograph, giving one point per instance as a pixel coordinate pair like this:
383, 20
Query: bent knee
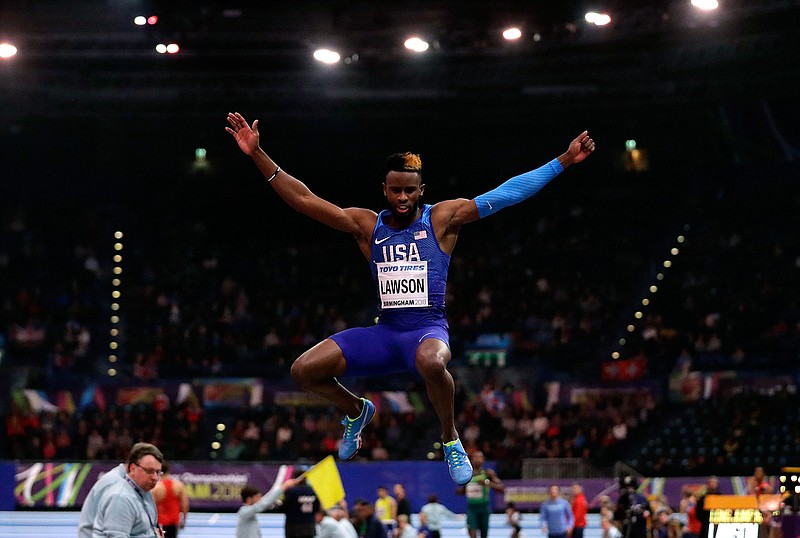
302, 370
319, 362
432, 364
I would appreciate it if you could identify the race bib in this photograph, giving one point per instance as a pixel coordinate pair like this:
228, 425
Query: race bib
474, 491
403, 284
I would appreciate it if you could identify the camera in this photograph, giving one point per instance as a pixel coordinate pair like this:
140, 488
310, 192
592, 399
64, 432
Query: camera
631, 508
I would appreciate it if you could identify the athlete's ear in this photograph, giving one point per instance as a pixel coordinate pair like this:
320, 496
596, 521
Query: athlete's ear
422, 189
384, 189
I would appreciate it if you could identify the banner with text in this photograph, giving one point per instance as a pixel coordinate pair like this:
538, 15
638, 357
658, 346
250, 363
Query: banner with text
216, 486
65, 485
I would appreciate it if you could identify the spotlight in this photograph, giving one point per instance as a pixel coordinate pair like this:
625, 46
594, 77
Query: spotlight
705, 5
327, 56
416, 44
598, 19
7, 50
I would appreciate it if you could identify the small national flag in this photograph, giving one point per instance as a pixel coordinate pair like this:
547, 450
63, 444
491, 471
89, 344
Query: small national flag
398, 401
422, 234
65, 401
324, 479
624, 370
19, 400
39, 402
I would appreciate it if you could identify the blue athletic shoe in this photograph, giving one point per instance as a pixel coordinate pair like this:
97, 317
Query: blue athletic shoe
457, 462
351, 440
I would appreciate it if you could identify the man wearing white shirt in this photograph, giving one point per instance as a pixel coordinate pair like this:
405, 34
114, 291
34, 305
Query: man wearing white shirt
327, 526
89, 508
255, 503
435, 513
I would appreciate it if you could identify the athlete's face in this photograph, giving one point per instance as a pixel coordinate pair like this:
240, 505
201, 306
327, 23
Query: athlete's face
402, 191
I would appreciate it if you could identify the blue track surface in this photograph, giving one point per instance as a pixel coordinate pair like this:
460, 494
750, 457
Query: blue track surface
205, 525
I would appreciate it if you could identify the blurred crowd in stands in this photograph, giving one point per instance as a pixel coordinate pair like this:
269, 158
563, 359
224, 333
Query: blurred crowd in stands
563, 276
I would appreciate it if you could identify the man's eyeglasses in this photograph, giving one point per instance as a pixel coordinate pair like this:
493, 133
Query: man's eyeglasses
157, 472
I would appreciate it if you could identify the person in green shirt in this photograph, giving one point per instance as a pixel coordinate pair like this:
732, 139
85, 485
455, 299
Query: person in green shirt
477, 492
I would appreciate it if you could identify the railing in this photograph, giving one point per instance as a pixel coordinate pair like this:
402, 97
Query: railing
560, 468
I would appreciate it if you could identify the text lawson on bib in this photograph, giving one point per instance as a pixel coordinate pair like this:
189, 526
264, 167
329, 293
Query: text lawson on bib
403, 284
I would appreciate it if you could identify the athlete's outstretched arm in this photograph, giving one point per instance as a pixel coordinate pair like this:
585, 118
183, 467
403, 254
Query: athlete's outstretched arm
293, 191
457, 212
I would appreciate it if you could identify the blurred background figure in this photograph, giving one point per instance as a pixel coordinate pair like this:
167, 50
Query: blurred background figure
172, 502
513, 519
633, 509
580, 507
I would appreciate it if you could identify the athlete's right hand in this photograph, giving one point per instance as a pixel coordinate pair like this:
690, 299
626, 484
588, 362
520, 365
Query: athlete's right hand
245, 136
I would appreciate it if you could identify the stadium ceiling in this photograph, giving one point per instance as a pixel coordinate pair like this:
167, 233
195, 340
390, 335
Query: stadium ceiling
88, 58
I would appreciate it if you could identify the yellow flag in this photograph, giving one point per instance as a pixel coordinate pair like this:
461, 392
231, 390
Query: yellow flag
325, 481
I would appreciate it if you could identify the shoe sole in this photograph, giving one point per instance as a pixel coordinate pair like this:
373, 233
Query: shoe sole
356, 452
462, 484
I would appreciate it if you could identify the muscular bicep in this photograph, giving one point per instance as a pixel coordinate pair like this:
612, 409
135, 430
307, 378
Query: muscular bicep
364, 220
447, 218
327, 213
462, 211
300, 198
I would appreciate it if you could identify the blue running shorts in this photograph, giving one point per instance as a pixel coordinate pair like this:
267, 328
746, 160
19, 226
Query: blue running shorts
381, 349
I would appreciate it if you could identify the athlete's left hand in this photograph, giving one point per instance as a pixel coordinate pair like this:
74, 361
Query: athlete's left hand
580, 148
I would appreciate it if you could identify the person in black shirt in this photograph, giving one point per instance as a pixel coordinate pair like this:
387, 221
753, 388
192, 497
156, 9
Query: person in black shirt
300, 503
703, 514
366, 523
633, 509
403, 506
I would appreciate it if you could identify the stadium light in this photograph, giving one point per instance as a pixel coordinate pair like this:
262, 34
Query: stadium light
512, 34
327, 56
598, 19
416, 44
7, 50
705, 5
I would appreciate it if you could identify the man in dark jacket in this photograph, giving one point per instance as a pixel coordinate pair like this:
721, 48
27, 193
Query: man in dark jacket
366, 523
633, 509
300, 503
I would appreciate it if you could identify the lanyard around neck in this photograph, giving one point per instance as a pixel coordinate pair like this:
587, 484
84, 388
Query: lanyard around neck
139, 491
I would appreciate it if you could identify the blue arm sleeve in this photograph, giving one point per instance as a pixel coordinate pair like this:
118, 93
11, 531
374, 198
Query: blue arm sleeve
517, 189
